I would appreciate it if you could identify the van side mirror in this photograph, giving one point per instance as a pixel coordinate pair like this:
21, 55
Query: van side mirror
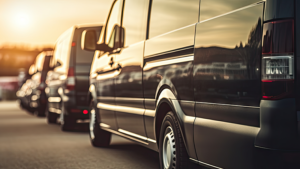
104, 47
122, 40
89, 42
51, 68
58, 64
32, 70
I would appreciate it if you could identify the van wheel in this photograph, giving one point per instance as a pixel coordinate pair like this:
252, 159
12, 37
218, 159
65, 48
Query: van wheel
40, 111
67, 123
51, 117
98, 137
172, 152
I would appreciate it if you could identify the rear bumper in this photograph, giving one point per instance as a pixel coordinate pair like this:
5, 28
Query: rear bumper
38, 100
74, 110
278, 126
275, 159
71, 107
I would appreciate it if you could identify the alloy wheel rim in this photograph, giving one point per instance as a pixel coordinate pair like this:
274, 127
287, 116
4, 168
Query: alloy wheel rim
92, 123
169, 151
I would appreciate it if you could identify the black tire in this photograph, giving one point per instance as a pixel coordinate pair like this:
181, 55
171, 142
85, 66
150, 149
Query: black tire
21, 104
40, 111
98, 137
170, 135
31, 110
51, 117
67, 123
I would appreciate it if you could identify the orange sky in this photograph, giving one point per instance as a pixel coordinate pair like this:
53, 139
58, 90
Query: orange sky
40, 22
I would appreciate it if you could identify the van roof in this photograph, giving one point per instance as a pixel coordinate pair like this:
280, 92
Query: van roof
89, 25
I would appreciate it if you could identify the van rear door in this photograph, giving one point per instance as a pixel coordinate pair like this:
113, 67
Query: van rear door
83, 61
227, 84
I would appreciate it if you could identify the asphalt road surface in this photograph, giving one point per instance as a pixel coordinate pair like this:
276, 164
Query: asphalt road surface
28, 142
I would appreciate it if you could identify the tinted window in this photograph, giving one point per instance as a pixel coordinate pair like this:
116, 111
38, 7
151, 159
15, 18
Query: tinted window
39, 62
42, 62
212, 8
227, 58
62, 50
114, 19
83, 56
276, 9
135, 21
167, 15
46, 63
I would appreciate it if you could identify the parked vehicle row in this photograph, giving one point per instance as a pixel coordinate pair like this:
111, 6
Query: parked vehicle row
32, 94
68, 82
211, 83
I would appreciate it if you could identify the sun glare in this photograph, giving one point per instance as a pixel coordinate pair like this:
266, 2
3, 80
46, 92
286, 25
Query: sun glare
22, 20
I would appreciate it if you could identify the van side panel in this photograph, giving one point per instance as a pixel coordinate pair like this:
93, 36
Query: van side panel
168, 64
227, 86
57, 79
213, 8
171, 47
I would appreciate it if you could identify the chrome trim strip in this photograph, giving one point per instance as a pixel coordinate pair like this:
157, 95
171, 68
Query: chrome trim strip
54, 110
196, 161
170, 52
151, 140
106, 98
107, 75
128, 98
132, 134
205, 164
150, 99
124, 109
153, 64
104, 125
54, 99
124, 135
228, 105
149, 113
136, 135
122, 98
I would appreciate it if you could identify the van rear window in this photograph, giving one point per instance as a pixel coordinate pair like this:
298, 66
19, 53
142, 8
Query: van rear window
83, 56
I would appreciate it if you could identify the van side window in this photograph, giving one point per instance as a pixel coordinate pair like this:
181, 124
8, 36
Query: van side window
212, 8
114, 19
62, 50
57, 52
168, 15
135, 21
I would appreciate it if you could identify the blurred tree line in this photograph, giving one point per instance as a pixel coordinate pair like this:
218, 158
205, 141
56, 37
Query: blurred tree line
16, 57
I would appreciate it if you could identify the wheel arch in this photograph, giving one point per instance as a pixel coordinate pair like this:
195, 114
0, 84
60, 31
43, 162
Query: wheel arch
166, 102
92, 94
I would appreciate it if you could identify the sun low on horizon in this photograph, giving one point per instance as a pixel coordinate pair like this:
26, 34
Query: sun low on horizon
38, 23
21, 20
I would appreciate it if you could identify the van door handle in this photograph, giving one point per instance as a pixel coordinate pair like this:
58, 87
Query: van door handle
111, 62
119, 67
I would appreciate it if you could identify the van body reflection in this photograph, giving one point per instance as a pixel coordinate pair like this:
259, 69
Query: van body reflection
184, 78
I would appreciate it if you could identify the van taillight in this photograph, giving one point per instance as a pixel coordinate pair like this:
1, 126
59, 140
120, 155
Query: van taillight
42, 84
71, 79
278, 60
